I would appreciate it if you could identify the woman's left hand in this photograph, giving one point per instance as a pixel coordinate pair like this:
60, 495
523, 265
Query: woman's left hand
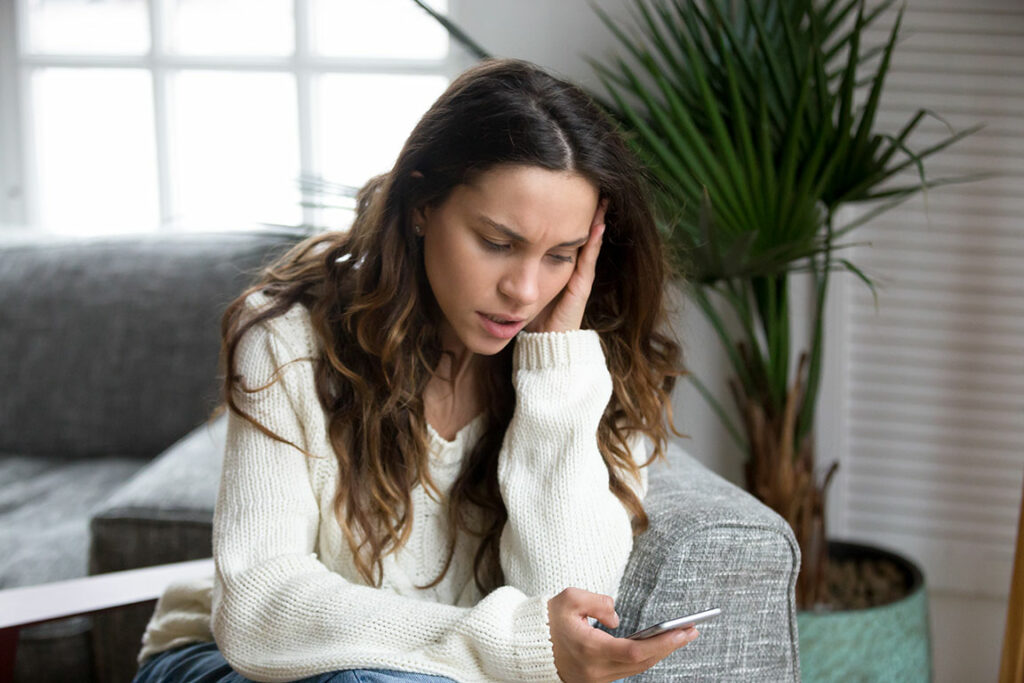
566, 311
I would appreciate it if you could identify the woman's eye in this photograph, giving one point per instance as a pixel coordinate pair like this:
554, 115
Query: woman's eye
495, 246
562, 258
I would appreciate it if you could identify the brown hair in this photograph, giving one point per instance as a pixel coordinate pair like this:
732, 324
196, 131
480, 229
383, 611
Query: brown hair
376, 319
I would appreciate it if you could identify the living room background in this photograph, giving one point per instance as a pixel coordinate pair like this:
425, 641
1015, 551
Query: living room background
961, 59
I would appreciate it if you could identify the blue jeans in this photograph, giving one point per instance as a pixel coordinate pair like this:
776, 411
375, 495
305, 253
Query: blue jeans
203, 663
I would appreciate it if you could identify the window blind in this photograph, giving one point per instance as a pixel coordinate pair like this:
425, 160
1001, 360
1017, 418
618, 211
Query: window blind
926, 392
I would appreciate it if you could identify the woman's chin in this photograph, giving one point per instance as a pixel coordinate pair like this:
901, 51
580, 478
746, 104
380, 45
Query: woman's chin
486, 338
483, 344
489, 347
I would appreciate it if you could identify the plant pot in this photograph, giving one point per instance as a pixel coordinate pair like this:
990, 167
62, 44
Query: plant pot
889, 642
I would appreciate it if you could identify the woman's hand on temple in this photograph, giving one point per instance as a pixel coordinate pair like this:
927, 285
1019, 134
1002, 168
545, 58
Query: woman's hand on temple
586, 654
566, 311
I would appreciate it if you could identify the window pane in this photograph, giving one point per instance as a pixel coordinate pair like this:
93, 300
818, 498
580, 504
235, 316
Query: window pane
231, 27
382, 28
96, 150
88, 26
358, 142
235, 150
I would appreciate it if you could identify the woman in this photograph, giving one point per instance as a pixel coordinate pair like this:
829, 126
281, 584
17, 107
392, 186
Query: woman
407, 492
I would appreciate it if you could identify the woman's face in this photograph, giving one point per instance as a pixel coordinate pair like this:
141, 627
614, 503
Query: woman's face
501, 248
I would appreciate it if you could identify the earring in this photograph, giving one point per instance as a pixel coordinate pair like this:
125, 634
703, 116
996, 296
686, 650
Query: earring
418, 230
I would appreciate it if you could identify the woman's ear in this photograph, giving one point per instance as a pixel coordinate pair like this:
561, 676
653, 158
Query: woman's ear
419, 218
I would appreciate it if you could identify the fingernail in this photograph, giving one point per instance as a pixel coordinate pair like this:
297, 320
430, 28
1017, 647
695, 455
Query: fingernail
687, 635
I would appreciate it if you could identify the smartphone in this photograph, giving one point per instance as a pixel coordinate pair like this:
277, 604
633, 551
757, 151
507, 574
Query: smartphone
679, 622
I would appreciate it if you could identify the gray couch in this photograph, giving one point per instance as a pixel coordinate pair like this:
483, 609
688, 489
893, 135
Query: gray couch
108, 461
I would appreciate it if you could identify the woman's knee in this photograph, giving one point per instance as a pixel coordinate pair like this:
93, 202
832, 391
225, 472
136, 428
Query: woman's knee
198, 662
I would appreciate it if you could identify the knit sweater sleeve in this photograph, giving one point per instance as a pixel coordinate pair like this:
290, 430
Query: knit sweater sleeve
279, 614
565, 527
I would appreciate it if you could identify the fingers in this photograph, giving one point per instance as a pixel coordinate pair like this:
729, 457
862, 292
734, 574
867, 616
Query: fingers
565, 312
585, 653
597, 228
650, 651
582, 603
602, 608
587, 260
588, 254
602, 208
586, 264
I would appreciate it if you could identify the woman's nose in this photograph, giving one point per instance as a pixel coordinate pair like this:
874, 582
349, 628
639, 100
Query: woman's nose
520, 282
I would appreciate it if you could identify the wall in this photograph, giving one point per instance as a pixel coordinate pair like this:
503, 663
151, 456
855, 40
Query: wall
553, 34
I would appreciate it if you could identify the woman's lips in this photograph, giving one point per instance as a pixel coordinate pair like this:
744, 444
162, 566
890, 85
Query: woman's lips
500, 326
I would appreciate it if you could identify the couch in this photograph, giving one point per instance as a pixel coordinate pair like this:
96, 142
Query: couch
109, 460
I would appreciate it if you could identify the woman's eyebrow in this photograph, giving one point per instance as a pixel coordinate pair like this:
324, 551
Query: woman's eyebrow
513, 235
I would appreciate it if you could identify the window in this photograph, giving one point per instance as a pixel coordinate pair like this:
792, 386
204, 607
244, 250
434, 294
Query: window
140, 115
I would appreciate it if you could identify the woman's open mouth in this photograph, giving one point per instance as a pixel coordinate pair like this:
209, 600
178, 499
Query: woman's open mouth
501, 326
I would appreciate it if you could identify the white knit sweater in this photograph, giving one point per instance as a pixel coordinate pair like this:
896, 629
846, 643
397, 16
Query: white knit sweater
287, 601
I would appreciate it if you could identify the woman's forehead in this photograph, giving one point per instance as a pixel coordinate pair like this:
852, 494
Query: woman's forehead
530, 201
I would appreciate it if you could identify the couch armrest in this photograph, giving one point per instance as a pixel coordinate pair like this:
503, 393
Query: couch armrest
711, 544
164, 514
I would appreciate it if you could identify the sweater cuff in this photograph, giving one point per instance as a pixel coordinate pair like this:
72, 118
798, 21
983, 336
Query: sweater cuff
535, 656
540, 350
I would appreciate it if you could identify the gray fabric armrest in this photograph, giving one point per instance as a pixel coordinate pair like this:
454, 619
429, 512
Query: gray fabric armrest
711, 544
162, 515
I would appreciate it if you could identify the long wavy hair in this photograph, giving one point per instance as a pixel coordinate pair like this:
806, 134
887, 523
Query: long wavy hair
377, 322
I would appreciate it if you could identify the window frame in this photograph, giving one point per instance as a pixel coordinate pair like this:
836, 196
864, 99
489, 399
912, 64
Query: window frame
19, 179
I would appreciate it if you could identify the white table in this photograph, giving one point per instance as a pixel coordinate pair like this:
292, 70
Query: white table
31, 605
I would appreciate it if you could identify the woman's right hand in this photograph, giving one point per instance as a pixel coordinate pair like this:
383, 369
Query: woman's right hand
584, 654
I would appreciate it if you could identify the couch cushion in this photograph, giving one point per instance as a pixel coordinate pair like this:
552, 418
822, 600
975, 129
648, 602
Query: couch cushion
112, 343
45, 507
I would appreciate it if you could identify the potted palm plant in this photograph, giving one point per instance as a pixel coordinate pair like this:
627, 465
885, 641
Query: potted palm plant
757, 121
